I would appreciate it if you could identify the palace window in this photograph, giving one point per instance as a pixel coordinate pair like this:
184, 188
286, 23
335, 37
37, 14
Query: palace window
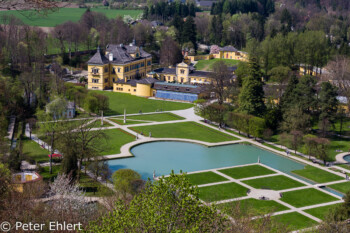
142, 64
106, 69
94, 70
149, 63
118, 70
95, 80
106, 80
134, 90
113, 70
182, 71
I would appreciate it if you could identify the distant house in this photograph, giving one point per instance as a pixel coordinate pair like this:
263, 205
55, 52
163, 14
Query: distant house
205, 4
61, 108
70, 110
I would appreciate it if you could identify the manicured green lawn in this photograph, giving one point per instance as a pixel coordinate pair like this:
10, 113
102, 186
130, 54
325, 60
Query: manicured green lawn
338, 144
45, 173
97, 124
341, 187
93, 188
222, 192
306, 197
317, 175
155, 117
64, 15
204, 178
320, 212
188, 130
33, 151
295, 221
120, 121
279, 182
208, 64
252, 207
246, 171
346, 166
116, 138
134, 104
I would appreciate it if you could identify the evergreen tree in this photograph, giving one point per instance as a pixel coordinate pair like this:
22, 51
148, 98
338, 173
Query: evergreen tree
252, 93
328, 105
189, 32
288, 95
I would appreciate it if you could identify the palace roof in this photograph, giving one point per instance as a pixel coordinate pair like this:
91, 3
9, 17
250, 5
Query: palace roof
98, 58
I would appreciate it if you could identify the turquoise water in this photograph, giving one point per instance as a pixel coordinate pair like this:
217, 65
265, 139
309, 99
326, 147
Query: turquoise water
347, 158
162, 157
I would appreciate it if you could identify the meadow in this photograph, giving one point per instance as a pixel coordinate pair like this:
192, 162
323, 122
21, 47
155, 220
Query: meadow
64, 15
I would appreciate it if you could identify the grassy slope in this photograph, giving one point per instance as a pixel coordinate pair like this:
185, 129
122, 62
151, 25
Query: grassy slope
93, 188
64, 15
204, 178
274, 182
252, 206
306, 197
317, 175
222, 192
208, 64
246, 171
34, 151
133, 104
188, 130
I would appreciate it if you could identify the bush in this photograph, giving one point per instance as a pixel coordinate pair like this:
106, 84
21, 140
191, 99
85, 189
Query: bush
123, 180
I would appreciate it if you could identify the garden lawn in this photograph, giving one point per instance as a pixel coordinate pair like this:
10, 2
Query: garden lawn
341, 187
188, 130
246, 171
120, 121
116, 138
155, 117
252, 206
279, 182
208, 64
295, 221
317, 175
64, 14
337, 144
45, 172
222, 192
33, 151
93, 188
134, 104
204, 178
320, 212
97, 124
306, 197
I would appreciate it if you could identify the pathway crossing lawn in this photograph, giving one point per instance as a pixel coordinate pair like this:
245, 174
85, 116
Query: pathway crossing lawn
317, 175
252, 206
341, 187
222, 192
306, 197
321, 212
205, 178
134, 104
246, 171
295, 221
120, 121
155, 117
34, 152
116, 138
187, 130
97, 124
279, 182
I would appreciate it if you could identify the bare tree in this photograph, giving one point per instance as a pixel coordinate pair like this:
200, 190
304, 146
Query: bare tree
170, 52
221, 81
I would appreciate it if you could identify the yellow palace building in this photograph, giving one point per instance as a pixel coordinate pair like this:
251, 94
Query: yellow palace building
120, 62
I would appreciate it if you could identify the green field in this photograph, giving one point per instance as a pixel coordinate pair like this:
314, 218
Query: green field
154, 117
93, 188
33, 151
208, 64
246, 171
222, 192
252, 207
274, 182
321, 212
341, 187
317, 175
120, 121
306, 197
45, 173
134, 104
64, 15
204, 178
116, 138
294, 221
188, 130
